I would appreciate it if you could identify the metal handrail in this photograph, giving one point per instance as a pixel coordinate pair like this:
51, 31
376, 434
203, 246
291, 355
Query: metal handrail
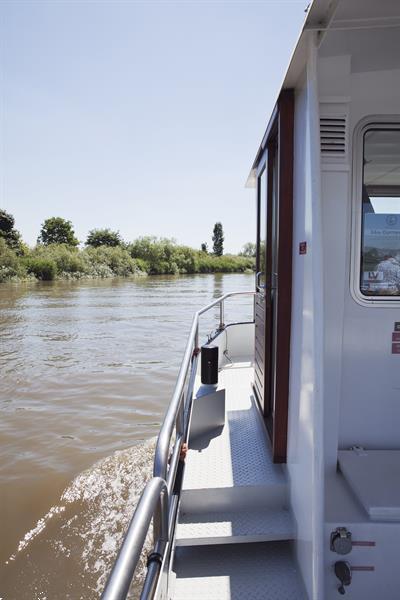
158, 493
153, 501
192, 349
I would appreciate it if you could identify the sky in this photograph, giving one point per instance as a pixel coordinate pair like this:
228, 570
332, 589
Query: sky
144, 117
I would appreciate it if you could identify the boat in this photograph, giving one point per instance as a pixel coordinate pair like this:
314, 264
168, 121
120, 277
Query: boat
290, 485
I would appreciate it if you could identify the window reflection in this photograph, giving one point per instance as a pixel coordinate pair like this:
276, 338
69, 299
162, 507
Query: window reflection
380, 256
263, 223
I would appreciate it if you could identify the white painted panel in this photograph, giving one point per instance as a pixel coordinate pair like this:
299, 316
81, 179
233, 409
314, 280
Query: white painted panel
240, 340
374, 477
305, 452
345, 511
361, 376
336, 212
299, 456
237, 340
370, 395
334, 76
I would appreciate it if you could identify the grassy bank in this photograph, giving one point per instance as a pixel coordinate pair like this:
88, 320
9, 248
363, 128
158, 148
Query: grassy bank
143, 256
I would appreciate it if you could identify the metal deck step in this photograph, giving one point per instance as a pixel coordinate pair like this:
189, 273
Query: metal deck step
233, 469
234, 527
263, 571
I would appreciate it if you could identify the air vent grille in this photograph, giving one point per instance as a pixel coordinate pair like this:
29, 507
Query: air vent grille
333, 136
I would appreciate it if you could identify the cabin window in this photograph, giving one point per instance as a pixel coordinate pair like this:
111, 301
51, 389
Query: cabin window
263, 225
380, 235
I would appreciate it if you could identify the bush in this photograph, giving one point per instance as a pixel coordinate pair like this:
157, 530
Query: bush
106, 260
43, 268
68, 260
187, 259
142, 265
224, 264
157, 253
164, 256
144, 255
10, 264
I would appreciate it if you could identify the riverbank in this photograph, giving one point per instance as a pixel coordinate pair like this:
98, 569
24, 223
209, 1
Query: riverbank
145, 256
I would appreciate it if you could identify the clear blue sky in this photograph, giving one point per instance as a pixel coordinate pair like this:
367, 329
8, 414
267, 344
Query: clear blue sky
139, 116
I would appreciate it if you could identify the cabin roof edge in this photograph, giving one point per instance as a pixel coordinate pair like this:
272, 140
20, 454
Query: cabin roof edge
319, 14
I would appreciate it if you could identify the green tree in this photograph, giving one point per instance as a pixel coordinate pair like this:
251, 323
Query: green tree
218, 239
11, 236
103, 237
248, 249
204, 247
57, 231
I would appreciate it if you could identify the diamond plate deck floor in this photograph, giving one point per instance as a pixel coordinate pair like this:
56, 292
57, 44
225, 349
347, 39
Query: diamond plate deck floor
240, 455
234, 509
234, 527
263, 571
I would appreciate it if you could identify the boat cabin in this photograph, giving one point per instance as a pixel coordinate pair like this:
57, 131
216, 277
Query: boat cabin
290, 488
327, 319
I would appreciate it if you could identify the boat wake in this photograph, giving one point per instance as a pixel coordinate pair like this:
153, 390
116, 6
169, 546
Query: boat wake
70, 551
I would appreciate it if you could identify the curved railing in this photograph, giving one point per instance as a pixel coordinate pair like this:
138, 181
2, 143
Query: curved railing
158, 498
153, 502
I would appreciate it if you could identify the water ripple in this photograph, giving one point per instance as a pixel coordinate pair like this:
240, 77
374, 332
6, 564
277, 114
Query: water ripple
87, 370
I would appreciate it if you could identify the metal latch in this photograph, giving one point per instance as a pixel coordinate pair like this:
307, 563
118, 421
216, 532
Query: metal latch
341, 541
343, 573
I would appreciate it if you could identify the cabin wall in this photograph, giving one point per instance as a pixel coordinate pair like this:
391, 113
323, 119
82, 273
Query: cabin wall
299, 439
352, 380
300, 430
304, 459
361, 376
371, 374
334, 89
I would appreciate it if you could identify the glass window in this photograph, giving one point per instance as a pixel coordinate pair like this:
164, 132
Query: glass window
262, 190
380, 251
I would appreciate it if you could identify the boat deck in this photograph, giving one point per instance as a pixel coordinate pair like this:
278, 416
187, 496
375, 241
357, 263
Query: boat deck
234, 532
255, 572
240, 455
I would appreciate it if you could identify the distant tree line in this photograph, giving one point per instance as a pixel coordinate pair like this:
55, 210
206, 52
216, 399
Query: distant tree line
106, 254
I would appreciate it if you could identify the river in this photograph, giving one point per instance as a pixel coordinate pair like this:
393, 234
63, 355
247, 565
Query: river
87, 370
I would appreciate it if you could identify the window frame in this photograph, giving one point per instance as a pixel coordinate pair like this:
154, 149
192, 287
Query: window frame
366, 124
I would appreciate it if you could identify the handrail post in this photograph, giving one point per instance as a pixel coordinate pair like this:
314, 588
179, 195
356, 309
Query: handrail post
196, 340
160, 521
179, 424
221, 316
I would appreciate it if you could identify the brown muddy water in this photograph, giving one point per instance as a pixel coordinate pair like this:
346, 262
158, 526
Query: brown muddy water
88, 369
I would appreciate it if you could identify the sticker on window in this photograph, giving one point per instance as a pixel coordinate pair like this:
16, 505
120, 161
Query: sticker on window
380, 252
